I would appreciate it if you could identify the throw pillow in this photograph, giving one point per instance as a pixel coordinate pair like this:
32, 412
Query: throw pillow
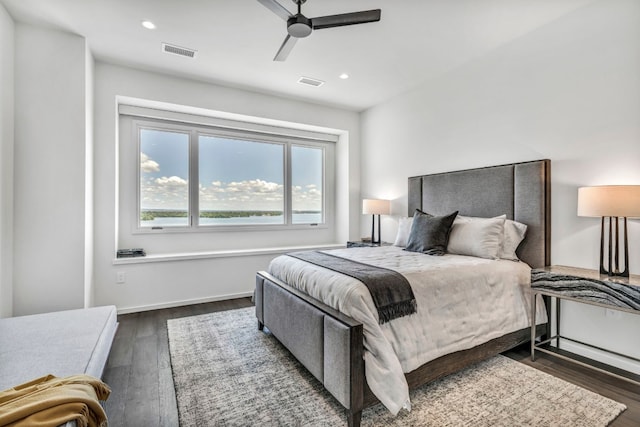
479, 237
430, 234
404, 228
514, 233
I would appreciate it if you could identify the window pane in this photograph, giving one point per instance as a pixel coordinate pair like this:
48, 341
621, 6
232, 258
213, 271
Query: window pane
306, 185
164, 178
241, 182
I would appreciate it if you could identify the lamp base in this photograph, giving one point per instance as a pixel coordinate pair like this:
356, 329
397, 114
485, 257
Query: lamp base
614, 250
373, 225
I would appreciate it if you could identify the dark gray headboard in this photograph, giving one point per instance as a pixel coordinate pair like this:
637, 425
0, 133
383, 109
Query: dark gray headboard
520, 190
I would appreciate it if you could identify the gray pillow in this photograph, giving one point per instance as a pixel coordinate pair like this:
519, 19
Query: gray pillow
430, 234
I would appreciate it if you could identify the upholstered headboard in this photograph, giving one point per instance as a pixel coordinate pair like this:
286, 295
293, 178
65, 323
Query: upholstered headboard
522, 191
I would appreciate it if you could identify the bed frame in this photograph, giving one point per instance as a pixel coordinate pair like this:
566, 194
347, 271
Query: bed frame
330, 344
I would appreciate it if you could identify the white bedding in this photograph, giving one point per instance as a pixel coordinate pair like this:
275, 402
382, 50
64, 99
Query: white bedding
458, 308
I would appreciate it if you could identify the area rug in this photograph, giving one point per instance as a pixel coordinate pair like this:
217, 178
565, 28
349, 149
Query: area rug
228, 373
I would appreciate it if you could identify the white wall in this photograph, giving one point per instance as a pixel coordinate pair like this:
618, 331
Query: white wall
150, 285
570, 92
6, 163
49, 170
88, 181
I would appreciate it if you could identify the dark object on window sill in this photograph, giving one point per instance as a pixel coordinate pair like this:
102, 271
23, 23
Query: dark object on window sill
365, 244
130, 253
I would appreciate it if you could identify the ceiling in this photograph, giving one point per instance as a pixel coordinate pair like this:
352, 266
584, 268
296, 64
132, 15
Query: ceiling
236, 40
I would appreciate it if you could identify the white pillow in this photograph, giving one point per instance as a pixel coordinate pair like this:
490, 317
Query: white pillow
404, 228
479, 237
514, 233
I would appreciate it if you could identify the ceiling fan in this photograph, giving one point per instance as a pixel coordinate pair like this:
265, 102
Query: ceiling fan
299, 26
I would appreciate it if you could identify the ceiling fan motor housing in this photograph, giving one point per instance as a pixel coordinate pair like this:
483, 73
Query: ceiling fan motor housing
299, 26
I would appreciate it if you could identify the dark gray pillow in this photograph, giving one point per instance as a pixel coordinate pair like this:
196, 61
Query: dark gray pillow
430, 234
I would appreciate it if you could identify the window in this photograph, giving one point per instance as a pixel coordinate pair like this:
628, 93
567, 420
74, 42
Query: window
241, 182
164, 178
306, 184
194, 177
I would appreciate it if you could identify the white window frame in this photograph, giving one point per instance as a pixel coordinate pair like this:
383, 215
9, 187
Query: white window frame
195, 130
138, 125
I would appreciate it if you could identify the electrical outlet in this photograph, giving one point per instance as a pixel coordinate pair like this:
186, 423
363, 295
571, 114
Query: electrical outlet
614, 314
121, 277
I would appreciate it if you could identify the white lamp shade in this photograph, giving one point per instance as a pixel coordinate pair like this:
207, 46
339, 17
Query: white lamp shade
609, 200
376, 207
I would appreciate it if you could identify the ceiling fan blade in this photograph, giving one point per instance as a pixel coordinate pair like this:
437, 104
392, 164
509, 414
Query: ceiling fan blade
352, 18
288, 44
276, 8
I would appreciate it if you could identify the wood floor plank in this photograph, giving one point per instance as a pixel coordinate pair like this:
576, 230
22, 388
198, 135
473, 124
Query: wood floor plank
121, 352
122, 349
167, 398
146, 324
164, 359
118, 379
139, 370
142, 397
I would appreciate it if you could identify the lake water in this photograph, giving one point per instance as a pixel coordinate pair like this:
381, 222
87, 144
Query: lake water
305, 218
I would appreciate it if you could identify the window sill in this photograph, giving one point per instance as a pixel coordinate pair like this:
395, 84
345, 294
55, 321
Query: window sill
228, 228
187, 256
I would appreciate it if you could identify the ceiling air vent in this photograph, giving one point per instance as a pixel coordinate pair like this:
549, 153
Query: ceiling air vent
177, 50
311, 82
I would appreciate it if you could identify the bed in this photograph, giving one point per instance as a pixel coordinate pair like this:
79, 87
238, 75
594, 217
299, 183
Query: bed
334, 346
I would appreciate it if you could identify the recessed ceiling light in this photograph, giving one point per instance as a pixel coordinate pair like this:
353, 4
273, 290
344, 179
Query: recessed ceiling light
149, 25
344, 76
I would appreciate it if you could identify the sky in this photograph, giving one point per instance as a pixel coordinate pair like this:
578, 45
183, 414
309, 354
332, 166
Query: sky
233, 174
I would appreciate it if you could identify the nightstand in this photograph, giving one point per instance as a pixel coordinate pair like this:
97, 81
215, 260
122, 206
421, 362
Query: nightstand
586, 287
361, 244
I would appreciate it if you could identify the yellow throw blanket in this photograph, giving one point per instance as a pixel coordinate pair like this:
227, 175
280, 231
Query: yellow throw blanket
52, 401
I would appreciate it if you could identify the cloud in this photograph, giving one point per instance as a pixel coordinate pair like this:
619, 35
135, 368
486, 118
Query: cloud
254, 194
255, 186
147, 164
308, 198
172, 181
164, 193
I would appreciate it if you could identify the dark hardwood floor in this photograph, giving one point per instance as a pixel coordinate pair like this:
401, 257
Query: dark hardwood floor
139, 370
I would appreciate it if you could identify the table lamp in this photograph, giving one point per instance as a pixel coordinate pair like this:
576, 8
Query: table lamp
375, 207
611, 202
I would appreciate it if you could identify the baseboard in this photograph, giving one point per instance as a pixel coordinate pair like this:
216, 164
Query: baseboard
171, 304
600, 356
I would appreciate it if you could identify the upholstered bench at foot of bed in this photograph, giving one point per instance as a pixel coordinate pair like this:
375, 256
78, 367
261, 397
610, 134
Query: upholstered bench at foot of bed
61, 343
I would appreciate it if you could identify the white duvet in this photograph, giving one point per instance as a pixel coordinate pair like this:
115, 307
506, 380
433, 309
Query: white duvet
462, 302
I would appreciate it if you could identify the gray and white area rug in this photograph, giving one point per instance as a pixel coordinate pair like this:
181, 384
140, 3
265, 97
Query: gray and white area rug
227, 373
